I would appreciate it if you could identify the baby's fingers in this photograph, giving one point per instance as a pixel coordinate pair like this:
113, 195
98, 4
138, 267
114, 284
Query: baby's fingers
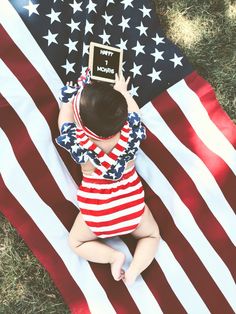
127, 81
70, 83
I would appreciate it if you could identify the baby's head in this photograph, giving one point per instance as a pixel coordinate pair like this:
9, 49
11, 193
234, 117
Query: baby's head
103, 109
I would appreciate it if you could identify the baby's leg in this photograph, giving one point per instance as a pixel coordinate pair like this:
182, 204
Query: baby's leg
85, 244
148, 237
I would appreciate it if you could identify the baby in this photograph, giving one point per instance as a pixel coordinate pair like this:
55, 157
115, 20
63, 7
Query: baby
101, 128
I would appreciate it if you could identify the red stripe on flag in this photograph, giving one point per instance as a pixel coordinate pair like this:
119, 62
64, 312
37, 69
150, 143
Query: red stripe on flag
39, 176
157, 283
208, 99
177, 122
186, 256
186, 189
34, 84
17, 62
30, 79
43, 250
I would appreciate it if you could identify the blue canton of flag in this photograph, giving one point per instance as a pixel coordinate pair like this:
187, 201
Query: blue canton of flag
64, 30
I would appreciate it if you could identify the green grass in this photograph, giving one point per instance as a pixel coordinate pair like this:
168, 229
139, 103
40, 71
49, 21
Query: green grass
25, 287
205, 31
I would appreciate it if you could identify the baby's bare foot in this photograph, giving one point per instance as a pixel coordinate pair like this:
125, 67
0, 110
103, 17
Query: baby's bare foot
130, 277
116, 265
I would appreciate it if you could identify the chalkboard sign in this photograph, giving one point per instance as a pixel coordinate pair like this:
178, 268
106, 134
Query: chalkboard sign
104, 62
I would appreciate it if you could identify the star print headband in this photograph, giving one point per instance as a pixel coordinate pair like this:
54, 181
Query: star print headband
83, 80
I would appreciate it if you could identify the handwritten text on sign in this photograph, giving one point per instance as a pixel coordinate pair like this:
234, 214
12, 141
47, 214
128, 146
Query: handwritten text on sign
103, 69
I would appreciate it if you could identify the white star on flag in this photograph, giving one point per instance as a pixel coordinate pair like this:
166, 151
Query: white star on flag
109, 1
105, 37
122, 44
176, 60
32, 8
88, 27
68, 66
71, 45
85, 49
145, 11
142, 29
91, 7
73, 25
124, 23
83, 71
51, 38
76, 6
138, 49
54, 16
155, 75
127, 3
133, 90
107, 18
158, 39
136, 69
158, 55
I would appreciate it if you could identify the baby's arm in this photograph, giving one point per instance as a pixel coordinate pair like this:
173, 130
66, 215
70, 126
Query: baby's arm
121, 86
66, 112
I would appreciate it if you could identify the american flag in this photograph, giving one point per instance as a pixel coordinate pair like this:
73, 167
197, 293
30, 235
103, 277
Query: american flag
187, 163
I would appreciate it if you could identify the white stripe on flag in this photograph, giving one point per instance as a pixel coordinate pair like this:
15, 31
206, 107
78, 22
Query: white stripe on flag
38, 130
198, 117
45, 218
195, 168
187, 226
139, 291
16, 28
179, 281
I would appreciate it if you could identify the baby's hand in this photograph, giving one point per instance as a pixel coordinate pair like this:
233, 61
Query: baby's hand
120, 83
71, 84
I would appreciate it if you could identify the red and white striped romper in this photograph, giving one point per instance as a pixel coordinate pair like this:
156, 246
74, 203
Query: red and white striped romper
111, 200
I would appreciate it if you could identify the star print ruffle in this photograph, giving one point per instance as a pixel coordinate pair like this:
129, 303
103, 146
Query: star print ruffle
69, 141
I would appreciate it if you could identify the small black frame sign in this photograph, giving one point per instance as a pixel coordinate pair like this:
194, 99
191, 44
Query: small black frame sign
104, 62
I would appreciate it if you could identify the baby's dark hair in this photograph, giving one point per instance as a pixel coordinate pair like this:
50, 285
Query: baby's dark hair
103, 109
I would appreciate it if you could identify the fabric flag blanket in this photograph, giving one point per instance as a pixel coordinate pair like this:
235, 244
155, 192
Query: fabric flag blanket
187, 163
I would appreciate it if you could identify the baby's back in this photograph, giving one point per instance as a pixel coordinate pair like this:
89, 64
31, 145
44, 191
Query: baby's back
107, 146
